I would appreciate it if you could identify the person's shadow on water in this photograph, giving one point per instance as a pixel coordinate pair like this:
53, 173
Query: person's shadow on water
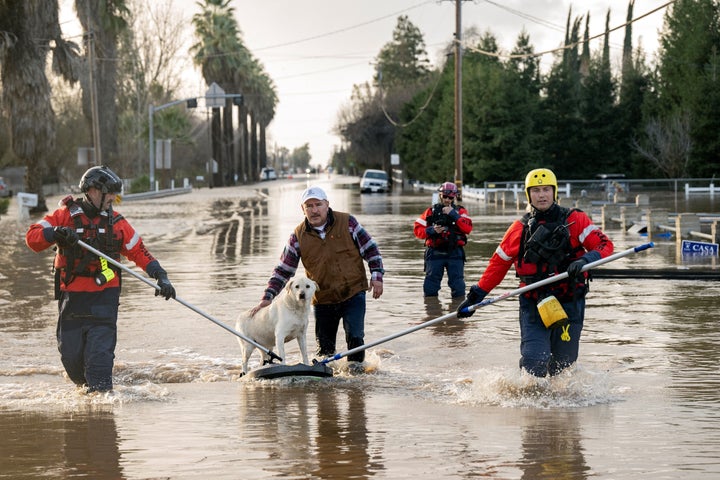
68, 444
452, 328
552, 446
343, 449
317, 430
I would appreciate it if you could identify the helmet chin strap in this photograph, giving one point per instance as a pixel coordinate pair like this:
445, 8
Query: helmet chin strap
95, 209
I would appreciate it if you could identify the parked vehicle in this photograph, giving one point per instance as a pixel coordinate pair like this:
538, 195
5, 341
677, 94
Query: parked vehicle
5, 188
613, 182
268, 174
374, 181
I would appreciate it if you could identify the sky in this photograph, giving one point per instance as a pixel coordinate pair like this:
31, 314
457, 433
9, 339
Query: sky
316, 50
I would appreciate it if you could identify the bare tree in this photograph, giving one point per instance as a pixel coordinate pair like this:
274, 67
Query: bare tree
151, 66
668, 144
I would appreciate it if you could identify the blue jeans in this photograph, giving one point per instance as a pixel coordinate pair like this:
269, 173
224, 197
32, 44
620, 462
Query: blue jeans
327, 321
87, 335
542, 349
436, 262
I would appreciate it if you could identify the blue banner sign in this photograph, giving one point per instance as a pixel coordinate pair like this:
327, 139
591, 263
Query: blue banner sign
699, 248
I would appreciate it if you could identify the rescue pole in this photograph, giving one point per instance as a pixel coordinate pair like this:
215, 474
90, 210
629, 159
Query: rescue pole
177, 299
518, 291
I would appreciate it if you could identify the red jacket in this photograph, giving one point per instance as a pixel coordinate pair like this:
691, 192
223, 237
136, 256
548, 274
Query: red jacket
584, 237
459, 226
40, 236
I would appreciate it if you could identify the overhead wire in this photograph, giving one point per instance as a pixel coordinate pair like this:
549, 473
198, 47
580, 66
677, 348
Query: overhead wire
514, 56
564, 47
420, 110
345, 29
527, 16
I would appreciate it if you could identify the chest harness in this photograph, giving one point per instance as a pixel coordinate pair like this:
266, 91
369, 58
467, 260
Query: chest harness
545, 243
450, 238
79, 261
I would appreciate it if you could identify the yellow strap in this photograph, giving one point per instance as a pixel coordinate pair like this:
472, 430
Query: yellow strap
565, 336
106, 272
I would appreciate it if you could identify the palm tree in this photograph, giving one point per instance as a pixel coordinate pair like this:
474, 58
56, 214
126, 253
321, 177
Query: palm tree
219, 55
27, 29
224, 59
266, 112
260, 105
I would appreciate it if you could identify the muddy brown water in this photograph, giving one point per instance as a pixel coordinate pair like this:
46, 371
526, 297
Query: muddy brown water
446, 401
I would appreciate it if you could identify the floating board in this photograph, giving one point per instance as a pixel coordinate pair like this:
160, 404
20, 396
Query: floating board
297, 370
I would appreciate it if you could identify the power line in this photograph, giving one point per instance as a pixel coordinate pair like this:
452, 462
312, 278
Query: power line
565, 47
527, 16
343, 30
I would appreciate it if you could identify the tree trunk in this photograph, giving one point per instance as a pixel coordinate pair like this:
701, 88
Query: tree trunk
242, 133
228, 143
255, 161
216, 136
104, 79
26, 91
263, 147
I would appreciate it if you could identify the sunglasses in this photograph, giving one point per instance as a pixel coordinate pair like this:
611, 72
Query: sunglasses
447, 196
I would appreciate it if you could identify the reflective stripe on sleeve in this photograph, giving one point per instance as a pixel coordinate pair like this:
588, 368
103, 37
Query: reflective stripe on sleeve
586, 231
501, 253
133, 241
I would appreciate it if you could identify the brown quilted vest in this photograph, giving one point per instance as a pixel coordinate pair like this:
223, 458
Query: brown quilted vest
334, 262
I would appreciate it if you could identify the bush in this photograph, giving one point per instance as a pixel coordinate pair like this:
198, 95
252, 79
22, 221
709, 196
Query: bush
4, 204
140, 184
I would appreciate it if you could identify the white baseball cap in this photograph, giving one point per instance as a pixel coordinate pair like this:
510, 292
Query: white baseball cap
313, 192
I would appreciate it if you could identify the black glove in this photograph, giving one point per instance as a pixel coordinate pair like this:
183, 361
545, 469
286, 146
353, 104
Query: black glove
474, 296
166, 289
573, 270
65, 237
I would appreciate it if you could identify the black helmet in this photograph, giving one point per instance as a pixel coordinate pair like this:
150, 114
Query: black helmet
101, 178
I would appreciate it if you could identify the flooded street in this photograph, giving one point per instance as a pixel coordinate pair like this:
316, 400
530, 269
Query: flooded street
447, 401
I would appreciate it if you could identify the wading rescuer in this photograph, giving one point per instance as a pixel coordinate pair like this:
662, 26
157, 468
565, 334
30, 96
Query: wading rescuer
87, 287
444, 227
547, 240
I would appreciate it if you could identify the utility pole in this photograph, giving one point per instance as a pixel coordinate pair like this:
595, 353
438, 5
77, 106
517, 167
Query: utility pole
458, 98
90, 39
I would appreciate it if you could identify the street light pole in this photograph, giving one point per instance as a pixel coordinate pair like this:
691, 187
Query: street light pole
151, 140
191, 102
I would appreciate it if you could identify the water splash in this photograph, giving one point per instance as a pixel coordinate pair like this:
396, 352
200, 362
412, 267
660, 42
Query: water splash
574, 387
67, 397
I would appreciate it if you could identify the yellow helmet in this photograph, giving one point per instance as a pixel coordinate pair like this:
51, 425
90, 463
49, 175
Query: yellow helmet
538, 177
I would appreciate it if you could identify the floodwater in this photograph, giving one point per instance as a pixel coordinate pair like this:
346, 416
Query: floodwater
446, 401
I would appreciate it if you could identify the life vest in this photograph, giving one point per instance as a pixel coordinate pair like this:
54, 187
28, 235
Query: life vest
76, 261
450, 238
545, 249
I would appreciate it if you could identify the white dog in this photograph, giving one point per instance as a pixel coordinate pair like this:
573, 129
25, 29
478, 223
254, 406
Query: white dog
287, 317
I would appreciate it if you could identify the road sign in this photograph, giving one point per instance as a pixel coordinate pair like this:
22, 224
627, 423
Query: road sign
215, 96
699, 248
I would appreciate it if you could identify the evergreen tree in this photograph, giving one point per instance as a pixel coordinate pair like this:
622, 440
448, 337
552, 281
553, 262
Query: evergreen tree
561, 116
688, 81
370, 122
426, 142
501, 137
632, 91
601, 152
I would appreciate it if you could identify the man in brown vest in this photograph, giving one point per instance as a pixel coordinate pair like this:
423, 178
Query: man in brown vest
333, 247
